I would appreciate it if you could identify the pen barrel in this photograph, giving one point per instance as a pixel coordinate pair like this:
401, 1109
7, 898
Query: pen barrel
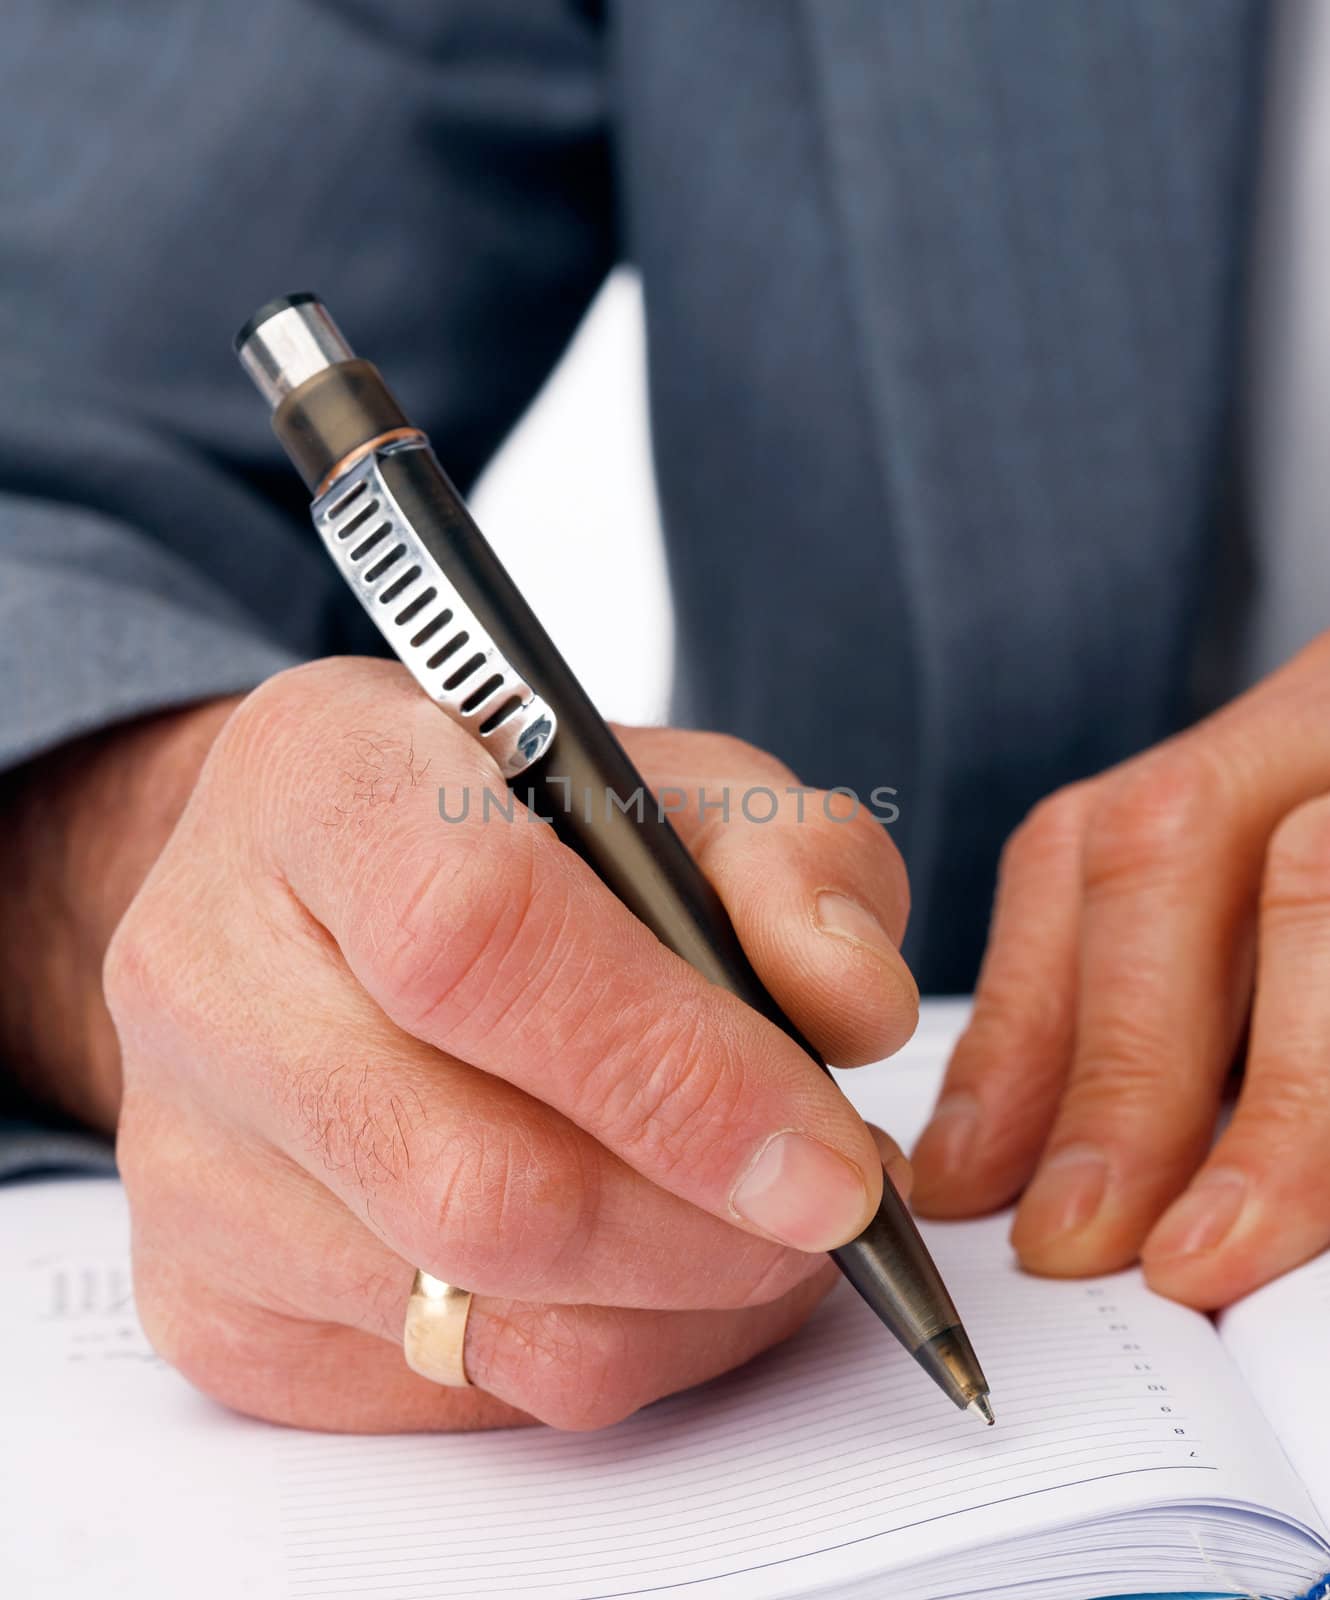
587, 787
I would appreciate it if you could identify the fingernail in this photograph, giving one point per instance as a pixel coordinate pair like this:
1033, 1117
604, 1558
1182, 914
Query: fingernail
844, 918
1201, 1218
803, 1193
946, 1144
1066, 1194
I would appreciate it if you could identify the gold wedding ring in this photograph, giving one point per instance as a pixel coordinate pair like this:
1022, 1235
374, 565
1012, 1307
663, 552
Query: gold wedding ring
434, 1338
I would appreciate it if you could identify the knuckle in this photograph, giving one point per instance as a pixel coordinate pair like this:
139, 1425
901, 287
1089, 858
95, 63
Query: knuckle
269, 705
274, 716
457, 928
129, 970
493, 1201
1150, 818
151, 979
834, 825
364, 744
351, 1120
1119, 1076
1050, 831
1297, 870
509, 1208
839, 814
568, 1366
371, 771
1018, 1035
1290, 1105
725, 752
692, 1091
283, 702
378, 1297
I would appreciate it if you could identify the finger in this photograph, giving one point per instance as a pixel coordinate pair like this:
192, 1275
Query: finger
1261, 1203
1169, 871
1172, 867
266, 1223
255, 1304
894, 1162
493, 943
576, 1367
589, 1366
454, 1171
292, 1367
1000, 1092
816, 889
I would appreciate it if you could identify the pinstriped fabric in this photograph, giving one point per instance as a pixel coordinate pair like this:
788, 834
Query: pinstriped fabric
942, 320
970, 300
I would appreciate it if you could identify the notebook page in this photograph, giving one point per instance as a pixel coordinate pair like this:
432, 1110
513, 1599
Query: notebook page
819, 1465
116, 1478
1279, 1337
825, 1462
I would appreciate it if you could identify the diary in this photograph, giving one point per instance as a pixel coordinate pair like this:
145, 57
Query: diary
1141, 1448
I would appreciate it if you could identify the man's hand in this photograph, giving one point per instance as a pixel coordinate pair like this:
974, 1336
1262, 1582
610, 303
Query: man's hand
79, 830
1143, 921
357, 1038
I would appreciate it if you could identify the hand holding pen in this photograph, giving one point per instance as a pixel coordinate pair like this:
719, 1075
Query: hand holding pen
372, 1042
400, 536
359, 1039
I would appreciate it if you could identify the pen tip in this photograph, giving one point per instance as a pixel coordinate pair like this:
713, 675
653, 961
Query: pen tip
982, 1408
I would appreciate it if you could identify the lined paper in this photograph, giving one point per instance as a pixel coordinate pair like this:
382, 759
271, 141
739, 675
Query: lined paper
820, 1463
1126, 1440
1279, 1338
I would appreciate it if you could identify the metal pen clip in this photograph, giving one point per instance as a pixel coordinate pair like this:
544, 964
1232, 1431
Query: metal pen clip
430, 628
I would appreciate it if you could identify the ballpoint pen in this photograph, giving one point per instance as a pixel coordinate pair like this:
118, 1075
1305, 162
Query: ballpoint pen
402, 538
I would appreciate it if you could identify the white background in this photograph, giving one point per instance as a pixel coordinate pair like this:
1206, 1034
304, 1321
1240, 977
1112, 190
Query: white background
569, 504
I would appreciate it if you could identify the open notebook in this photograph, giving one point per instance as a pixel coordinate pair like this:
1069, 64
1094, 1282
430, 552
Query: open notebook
1138, 1449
